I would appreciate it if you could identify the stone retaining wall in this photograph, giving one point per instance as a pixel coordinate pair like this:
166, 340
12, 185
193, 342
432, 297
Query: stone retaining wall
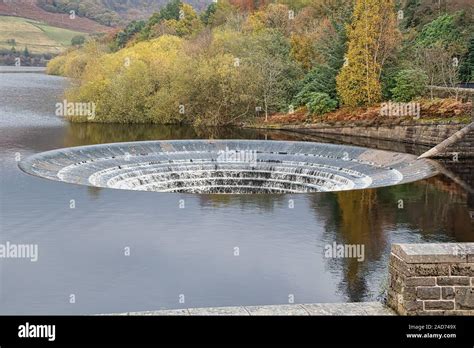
432, 279
429, 135
463, 94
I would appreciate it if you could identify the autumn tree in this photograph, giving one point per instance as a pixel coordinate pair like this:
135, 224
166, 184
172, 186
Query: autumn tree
188, 22
372, 35
218, 13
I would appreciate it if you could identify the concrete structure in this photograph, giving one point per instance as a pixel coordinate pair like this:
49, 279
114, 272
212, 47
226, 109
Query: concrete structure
228, 166
351, 309
432, 279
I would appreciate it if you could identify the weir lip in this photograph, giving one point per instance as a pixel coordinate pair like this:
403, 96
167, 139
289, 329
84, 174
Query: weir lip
228, 166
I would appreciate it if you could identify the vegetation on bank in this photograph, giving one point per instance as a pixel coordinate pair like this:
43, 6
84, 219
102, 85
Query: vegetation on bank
233, 63
432, 111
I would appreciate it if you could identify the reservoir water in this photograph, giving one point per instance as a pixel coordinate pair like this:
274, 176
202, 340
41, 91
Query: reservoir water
104, 251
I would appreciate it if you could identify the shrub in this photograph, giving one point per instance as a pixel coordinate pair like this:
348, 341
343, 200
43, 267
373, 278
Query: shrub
56, 65
409, 84
320, 103
78, 40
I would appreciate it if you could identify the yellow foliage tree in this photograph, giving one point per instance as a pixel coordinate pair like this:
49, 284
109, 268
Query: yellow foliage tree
187, 24
126, 86
372, 35
302, 49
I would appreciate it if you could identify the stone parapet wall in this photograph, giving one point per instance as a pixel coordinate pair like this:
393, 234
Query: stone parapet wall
432, 279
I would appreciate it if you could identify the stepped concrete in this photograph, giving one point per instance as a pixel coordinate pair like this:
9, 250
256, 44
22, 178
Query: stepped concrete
228, 166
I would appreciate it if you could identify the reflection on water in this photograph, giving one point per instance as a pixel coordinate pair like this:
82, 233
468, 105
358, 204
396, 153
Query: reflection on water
185, 244
84, 134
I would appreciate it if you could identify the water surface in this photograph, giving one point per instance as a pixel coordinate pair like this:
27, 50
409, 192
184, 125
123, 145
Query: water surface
210, 250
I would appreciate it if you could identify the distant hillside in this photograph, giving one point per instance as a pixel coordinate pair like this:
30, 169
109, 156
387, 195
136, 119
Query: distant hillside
38, 38
113, 12
30, 9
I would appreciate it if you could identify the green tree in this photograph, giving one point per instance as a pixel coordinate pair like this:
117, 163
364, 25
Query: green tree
409, 84
206, 15
125, 35
467, 67
320, 103
168, 12
78, 40
440, 32
321, 79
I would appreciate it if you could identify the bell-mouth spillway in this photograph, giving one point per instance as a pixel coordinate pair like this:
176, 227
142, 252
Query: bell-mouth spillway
228, 166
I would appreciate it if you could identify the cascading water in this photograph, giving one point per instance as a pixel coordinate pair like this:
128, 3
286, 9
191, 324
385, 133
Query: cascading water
228, 166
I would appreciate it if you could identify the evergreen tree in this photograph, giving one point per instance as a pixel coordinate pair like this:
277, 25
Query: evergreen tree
26, 52
466, 71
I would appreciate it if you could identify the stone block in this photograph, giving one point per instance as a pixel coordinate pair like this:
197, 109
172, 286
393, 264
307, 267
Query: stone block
462, 269
409, 293
428, 293
397, 280
447, 293
432, 252
464, 297
439, 305
412, 306
453, 281
420, 281
398, 264
430, 269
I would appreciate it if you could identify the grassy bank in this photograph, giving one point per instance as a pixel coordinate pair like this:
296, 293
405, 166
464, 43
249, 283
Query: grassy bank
38, 37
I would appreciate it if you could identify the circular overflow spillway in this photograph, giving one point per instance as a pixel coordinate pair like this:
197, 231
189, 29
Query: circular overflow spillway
228, 166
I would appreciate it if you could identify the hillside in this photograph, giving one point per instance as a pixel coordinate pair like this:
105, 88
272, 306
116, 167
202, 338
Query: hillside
38, 37
30, 9
112, 12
